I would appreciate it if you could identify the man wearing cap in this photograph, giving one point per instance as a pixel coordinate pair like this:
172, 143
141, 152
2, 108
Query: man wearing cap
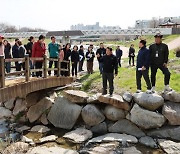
142, 67
159, 53
1, 46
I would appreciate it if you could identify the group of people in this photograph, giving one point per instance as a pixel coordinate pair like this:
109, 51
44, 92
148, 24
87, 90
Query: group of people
156, 57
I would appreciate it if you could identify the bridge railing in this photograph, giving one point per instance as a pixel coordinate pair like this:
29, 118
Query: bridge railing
27, 70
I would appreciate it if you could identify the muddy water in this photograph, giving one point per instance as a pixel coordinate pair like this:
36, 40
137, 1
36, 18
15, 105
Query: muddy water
61, 142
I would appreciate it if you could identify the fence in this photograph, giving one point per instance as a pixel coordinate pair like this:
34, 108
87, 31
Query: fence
27, 71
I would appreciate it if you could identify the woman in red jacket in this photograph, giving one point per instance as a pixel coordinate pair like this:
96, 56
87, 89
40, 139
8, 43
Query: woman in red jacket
39, 50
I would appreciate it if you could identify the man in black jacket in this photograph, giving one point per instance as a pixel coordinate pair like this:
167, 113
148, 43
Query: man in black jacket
131, 55
15, 53
142, 68
110, 66
100, 53
81, 58
119, 53
159, 58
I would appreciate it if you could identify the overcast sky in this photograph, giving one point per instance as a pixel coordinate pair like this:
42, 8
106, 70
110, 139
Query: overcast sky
61, 14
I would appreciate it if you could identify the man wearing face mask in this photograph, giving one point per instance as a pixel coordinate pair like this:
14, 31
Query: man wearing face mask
159, 53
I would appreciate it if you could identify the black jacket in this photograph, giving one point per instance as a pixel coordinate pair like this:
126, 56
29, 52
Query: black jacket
110, 64
81, 52
90, 56
67, 54
159, 54
143, 58
101, 52
131, 52
28, 47
21, 52
119, 53
74, 56
7, 51
15, 51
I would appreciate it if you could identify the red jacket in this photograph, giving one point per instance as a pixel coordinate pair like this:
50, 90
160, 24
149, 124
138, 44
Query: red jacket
38, 49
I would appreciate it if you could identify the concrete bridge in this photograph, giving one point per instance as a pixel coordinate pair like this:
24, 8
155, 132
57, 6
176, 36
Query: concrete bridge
20, 88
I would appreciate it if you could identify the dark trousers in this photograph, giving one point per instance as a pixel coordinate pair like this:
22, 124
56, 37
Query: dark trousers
101, 67
131, 58
8, 67
74, 68
38, 65
55, 66
81, 65
145, 75
64, 66
18, 68
31, 67
119, 61
164, 70
89, 67
22, 66
108, 77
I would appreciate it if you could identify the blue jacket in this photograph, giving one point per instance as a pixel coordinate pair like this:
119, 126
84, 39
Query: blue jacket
143, 58
119, 53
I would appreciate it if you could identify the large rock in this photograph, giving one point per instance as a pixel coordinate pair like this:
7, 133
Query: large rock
148, 141
148, 101
40, 129
145, 118
127, 97
127, 127
94, 98
115, 100
113, 113
172, 112
114, 137
10, 104
5, 113
76, 96
49, 138
79, 135
50, 150
22, 129
166, 133
20, 106
169, 147
16, 148
38, 109
64, 114
172, 96
100, 128
92, 115
43, 119
33, 98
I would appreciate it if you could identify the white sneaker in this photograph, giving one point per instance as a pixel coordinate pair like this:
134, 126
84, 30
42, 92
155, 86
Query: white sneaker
167, 88
138, 91
153, 89
149, 92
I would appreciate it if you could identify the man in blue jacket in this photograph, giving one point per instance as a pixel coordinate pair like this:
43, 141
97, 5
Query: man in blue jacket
142, 68
53, 48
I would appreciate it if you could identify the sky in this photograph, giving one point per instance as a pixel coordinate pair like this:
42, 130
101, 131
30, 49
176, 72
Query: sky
61, 14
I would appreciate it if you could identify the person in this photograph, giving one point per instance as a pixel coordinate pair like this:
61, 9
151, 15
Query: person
22, 52
1, 46
15, 53
7, 54
81, 58
53, 48
38, 50
90, 59
119, 54
159, 53
29, 51
142, 68
131, 55
74, 60
100, 53
67, 55
110, 66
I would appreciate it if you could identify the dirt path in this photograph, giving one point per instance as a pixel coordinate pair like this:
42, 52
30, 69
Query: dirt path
174, 44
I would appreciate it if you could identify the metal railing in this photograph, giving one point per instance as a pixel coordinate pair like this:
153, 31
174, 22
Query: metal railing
27, 70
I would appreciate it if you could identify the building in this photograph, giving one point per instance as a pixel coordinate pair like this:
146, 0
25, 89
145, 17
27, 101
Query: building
93, 27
